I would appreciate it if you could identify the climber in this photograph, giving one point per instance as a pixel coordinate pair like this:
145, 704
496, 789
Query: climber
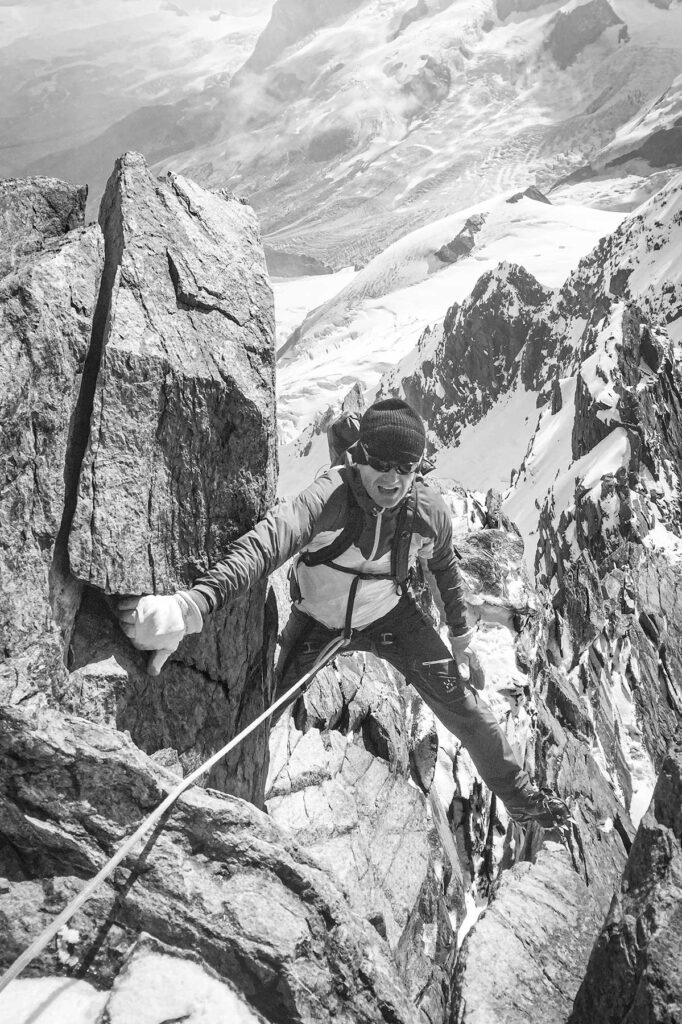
358, 533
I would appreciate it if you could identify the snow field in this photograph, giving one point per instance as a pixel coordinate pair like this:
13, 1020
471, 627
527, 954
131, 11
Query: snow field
378, 315
51, 1001
153, 987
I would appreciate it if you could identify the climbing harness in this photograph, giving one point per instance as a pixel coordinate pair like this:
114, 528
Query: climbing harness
325, 656
400, 554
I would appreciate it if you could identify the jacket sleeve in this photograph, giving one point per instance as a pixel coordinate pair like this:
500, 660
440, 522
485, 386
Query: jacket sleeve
443, 565
285, 530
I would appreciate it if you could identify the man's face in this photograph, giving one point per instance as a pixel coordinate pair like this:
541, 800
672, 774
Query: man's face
385, 489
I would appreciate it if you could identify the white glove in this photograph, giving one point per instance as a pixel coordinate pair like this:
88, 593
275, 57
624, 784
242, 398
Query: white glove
468, 666
158, 623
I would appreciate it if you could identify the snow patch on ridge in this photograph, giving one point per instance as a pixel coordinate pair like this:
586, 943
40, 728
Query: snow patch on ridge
488, 449
51, 1001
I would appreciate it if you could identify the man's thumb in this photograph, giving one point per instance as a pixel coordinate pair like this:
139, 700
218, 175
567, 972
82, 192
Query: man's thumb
463, 669
156, 662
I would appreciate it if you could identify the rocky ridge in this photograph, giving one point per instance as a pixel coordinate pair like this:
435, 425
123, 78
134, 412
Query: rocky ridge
511, 332
636, 965
380, 845
138, 361
599, 356
130, 357
324, 787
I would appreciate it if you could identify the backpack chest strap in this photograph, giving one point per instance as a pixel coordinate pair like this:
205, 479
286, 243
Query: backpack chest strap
400, 552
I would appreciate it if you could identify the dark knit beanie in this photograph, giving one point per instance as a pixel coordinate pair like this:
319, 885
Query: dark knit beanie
393, 431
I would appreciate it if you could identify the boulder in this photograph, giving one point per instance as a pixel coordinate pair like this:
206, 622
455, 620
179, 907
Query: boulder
340, 781
138, 441
180, 455
180, 460
34, 210
464, 241
217, 877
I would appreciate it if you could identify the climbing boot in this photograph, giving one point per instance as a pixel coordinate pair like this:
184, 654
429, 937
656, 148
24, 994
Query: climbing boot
545, 809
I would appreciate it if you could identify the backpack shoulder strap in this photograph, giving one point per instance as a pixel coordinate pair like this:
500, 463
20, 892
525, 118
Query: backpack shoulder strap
400, 552
349, 534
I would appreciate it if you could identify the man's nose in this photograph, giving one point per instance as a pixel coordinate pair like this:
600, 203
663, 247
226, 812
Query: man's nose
392, 476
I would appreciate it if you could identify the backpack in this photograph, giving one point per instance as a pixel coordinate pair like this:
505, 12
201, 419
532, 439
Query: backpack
342, 434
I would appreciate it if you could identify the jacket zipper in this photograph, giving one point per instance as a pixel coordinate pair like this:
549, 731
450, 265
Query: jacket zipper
377, 532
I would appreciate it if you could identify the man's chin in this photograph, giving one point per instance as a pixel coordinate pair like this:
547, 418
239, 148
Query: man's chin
388, 500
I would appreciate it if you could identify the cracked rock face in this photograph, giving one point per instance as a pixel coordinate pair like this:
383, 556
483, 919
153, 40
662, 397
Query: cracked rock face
221, 879
34, 210
635, 970
182, 411
138, 427
48, 296
340, 780
540, 927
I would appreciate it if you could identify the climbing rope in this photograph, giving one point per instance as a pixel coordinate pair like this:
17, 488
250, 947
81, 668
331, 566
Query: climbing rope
324, 657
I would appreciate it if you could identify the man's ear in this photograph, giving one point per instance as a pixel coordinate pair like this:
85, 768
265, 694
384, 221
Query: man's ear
355, 454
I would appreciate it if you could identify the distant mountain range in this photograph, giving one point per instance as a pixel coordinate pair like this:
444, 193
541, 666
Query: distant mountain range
348, 124
83, 82
358, 122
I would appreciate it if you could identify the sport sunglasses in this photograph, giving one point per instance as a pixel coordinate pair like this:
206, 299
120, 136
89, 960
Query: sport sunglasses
382, 466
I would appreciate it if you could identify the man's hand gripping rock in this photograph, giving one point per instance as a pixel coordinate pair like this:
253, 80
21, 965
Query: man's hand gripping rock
469, 667
158, 623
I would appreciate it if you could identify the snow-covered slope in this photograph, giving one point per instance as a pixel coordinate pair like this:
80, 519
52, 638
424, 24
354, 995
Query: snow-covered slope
522, 419
496, 377
375, 320
653, 136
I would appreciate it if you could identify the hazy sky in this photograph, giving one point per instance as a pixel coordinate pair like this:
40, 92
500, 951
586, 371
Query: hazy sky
38, 18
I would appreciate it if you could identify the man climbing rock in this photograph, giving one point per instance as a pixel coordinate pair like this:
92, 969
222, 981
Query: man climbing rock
358, 533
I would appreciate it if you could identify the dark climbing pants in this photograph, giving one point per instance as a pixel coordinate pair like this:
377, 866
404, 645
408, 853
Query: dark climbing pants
406, 639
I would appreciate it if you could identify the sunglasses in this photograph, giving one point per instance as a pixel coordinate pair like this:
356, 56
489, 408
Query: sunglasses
382, 466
